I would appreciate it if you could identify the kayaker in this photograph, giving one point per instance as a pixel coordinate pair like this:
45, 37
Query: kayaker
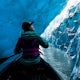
29, 43
31, 66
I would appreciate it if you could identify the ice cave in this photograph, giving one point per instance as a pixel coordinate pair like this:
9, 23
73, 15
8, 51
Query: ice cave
57, 21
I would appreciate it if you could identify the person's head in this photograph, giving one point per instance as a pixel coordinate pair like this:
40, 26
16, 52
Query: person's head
27, 26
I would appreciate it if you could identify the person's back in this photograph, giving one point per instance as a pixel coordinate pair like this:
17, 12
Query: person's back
29, 44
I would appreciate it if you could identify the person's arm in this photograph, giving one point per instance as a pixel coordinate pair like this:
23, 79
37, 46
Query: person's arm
18, 47
43, 42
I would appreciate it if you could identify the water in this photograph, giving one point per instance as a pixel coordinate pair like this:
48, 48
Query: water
60, 62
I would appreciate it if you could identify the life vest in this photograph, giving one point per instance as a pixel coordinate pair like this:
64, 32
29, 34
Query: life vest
30, 47
30, 52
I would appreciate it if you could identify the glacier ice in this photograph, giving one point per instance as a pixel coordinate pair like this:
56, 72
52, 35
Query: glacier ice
63, 33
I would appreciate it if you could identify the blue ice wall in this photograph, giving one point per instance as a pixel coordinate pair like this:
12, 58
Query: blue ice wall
65, 36
14, 12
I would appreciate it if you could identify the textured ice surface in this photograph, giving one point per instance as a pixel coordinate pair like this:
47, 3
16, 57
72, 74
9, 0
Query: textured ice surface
64, 33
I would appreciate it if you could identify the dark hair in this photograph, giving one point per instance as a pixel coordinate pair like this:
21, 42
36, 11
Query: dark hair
26, 26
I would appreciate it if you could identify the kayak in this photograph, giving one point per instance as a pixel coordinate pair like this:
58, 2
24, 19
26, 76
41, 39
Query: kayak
40, 71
